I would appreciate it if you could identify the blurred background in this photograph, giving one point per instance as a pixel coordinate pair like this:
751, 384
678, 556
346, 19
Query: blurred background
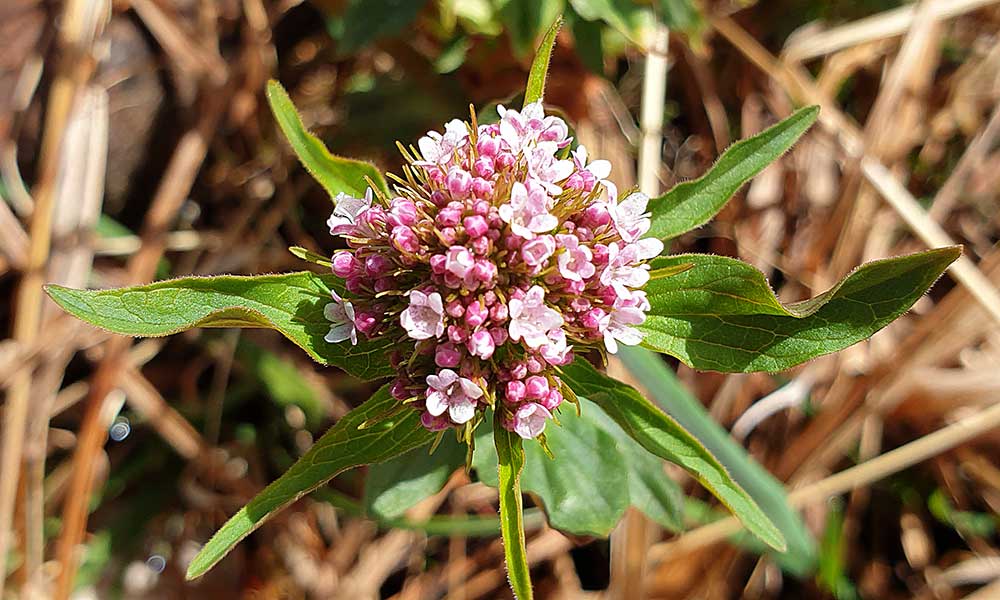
135, 144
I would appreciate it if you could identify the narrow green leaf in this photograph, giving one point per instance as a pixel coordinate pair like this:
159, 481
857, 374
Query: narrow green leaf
396, 485
662, 436
721, 315
335, 173
510, 459
291, 303
585, 490
671, 396
535, 89
693, 203
343, 447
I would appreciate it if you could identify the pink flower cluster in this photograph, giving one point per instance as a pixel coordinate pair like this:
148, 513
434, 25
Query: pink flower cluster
499, 252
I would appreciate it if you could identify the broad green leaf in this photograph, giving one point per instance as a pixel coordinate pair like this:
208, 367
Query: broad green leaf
510, 460
525, 20
291, 303
396, 485
335, 173
649, 488
662, 436
365, 21
343, 447
720, 315
535, 89
585, 490
693, 203
666, 391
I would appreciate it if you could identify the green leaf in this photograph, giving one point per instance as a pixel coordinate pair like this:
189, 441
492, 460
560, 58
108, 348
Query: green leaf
510, 455
720, 315
662, 436
681, 15
291, 303
335, 173
535, 89
666, 391
625, 16
649, 488
396, 485
524, 21
365, 21
343, 447
693, 203
589, 45
585, 490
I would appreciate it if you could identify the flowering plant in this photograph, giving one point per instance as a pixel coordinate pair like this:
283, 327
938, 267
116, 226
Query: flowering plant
490, 280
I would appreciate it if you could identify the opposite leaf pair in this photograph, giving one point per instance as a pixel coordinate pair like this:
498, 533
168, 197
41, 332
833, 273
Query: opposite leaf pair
496, 257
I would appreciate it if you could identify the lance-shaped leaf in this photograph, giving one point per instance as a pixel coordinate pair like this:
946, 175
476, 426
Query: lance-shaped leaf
662, 387
662, 436
291, 303
693, 203
396, 485
535, 89
721, 315
343, 447
335, 173
510, 459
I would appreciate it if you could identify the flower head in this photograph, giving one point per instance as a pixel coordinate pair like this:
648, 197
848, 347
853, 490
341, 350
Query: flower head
493, 261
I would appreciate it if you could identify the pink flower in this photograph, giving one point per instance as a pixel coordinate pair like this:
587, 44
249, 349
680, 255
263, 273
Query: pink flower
481, 344
575, 262
556, 351
537, 251
528, 210
456, 395
340, 313
597, 171
531, 319
345, 212
424, 317
458, 261
529, 420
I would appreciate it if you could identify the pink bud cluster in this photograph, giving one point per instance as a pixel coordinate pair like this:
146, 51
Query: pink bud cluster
499, 252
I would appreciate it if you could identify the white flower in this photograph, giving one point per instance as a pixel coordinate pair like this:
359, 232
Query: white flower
340, 313
346, 210
424, 317
529, 420
619, 328
528, 210
530, 318
436, 149
600, 169
630, 216
625, 269
449, 392
546, 168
